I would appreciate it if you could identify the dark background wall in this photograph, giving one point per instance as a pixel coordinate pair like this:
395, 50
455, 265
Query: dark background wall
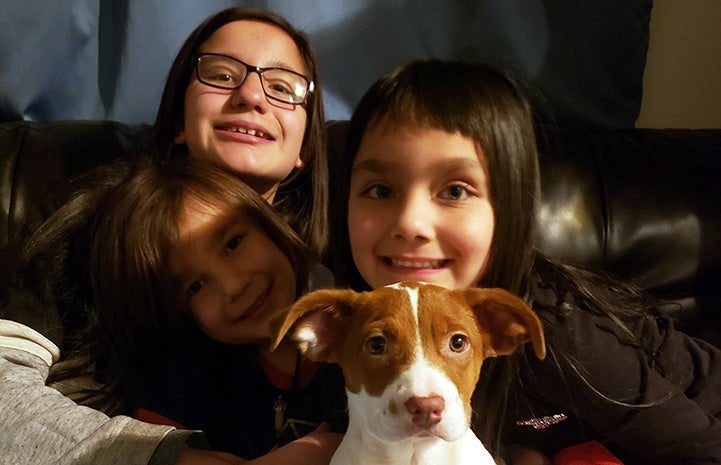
682, 78
107, 59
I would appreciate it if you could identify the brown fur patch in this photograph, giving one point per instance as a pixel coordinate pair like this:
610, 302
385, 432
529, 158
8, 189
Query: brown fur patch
442, 315
385, 312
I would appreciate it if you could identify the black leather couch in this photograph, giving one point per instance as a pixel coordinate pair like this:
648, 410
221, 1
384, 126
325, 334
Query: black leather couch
642, 204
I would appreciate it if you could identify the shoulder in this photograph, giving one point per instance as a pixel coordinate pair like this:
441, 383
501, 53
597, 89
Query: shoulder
14, 335
586, 349
321, 278
567, 324
598, 353
576, 321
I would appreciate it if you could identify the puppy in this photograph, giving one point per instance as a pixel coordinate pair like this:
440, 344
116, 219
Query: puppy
411, 354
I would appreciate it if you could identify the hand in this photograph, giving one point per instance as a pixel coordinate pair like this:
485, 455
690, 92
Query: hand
323, 439
190, 456
522, 455
315, 448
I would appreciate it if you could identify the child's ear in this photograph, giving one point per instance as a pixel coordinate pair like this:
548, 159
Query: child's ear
180, 137
179, 133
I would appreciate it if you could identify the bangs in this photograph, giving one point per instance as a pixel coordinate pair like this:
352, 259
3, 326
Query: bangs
428, 95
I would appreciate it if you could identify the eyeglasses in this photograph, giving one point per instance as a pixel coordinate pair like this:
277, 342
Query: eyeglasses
226, 72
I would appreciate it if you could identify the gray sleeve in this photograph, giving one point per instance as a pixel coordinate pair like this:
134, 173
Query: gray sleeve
169, 449
41, 426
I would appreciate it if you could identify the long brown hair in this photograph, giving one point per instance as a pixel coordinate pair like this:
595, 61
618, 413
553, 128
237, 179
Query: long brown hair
302, 197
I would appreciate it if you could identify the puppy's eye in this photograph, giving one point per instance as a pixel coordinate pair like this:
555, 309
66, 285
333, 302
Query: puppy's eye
377, 345
458, 343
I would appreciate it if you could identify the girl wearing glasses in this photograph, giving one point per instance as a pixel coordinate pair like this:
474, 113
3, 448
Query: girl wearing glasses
242, 94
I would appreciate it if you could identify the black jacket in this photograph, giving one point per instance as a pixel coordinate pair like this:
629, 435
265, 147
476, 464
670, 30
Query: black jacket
662, 407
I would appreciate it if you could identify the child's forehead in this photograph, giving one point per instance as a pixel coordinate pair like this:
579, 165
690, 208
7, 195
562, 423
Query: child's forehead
210, 211
391, 125
389, 122
387, 136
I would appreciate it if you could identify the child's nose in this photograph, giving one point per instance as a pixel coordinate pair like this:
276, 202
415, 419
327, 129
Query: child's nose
250, 92
414, 219
233, 284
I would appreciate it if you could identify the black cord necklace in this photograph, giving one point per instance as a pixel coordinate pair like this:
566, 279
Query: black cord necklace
279, 407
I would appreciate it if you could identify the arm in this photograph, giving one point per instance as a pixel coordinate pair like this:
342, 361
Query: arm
315, 448
41, 426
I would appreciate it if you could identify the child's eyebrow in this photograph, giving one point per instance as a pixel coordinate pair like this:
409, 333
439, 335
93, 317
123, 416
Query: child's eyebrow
374, 165
181, 277
220, 227
459, 164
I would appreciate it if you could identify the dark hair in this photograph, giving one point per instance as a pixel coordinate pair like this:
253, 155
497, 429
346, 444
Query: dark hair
475, 101
104, 255
495, 111
302, 197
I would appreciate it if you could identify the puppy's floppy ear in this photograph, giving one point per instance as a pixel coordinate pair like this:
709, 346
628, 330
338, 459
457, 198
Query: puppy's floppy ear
317, 323
507, 321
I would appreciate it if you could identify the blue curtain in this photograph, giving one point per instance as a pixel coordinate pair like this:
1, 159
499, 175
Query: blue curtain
108, 59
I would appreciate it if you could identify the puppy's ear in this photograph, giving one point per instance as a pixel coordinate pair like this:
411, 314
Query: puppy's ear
507, 321
317, 323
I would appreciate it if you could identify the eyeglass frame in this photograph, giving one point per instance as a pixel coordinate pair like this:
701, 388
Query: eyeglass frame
255, 69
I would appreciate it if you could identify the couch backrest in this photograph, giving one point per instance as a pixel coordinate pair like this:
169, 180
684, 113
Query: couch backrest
642, 204
37, 158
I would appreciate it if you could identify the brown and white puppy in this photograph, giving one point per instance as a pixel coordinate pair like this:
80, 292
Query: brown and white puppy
411, 354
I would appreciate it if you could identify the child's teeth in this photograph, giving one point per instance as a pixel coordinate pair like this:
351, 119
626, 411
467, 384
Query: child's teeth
250, 132
408, 264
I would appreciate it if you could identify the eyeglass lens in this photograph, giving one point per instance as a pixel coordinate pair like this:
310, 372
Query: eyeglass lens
227, 73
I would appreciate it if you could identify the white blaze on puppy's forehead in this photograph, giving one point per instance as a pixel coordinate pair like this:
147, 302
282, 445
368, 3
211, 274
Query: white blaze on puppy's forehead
412, 296
421, 369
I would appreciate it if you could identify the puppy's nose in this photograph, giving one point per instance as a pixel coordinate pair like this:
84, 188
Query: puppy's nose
426, 411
